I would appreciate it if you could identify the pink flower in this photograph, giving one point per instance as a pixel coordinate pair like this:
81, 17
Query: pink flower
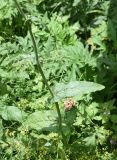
69, 104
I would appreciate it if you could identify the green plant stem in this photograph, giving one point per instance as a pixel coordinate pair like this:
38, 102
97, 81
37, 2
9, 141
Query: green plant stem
40, 68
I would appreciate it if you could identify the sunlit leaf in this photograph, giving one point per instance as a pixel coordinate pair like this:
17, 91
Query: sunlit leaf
41, 120
75, 88
12, 113
90, 141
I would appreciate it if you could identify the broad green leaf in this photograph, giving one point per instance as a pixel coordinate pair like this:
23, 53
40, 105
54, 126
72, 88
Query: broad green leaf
12, 113
112, 32
114, 127
70, 116
14, 75
114, 118
91, 140
41, 120
75, 88
3, 88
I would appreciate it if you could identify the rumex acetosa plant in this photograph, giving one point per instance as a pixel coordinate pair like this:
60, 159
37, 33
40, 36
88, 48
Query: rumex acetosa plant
73, 62
61, 90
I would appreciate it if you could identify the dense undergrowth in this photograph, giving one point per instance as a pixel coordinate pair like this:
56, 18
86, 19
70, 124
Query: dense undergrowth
77, 44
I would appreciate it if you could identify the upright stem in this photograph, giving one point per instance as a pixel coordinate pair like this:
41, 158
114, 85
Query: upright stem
37, 59
40, 68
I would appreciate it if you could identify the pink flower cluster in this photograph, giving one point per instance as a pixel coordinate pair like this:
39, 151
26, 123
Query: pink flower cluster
69, 104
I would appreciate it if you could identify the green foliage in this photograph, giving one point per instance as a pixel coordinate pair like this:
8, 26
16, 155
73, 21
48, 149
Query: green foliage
1, 129
41, 120
77, 43
12, 113
75, 88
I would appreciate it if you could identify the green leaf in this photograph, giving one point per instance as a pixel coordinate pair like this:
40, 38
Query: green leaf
41, 120
91, 140
70, 116
1, 129
112, 32
114, 127
12, 113
79, 121
75, 88
101, 134
3, 88
75, 3
92, 110
97, 118
114, 118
